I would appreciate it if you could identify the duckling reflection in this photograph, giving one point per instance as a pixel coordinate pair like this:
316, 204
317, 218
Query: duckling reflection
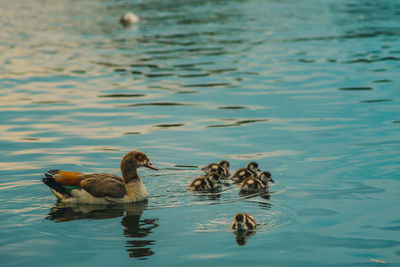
242, 235
263, 193
135, 229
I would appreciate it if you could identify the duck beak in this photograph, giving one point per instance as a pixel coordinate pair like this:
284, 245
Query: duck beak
271, 180
150, 165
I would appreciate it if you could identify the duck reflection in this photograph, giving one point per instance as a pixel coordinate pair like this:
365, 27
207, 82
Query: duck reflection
263, 193
242, 235
134, 229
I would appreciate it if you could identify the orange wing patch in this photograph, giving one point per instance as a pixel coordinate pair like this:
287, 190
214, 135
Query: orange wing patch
69, 178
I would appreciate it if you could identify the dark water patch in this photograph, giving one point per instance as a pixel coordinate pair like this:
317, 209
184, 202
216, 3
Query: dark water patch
375, 100
372, 60
193, 65
379, 70
30, 139
206, 85
193, 75
185, 35
238, 123
303, 60
155, 104
355, 88
172, 125
222, 70
186, 92
156, 75
232, 107
122, 95
128, 133
106, 149
44, 102
136, 72
185, 166
78, 71
382, 81
396, 121
339, 37
385, 228
120, 70
142, 65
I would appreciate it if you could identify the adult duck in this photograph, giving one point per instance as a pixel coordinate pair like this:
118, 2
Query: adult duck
101, 188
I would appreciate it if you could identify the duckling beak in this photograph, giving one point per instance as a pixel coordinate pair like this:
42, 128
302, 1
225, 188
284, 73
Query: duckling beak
271, 180
150, 165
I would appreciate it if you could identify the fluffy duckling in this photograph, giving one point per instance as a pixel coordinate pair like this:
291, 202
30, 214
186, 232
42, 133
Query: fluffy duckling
256, 183
128, 18
101, 188
222, 168
244, 221
244, 173
210, 182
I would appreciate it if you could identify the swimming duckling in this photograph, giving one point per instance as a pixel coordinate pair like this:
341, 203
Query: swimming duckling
256, 183
221, 168
244, 173
244, 221
210, 182
128, 18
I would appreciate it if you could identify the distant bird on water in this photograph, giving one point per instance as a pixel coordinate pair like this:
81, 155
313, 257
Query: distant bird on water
128, 19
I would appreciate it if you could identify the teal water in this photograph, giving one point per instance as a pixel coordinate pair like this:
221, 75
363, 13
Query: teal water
309, 89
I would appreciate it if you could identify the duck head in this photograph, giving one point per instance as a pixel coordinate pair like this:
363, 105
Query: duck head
133, 160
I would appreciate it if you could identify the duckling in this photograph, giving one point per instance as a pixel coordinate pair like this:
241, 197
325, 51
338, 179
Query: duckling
128, 18
210, 182
222, 168
101, 188
244, 173
244, 221
256, 183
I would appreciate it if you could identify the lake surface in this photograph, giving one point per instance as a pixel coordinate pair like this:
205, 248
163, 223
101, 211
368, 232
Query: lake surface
308, 89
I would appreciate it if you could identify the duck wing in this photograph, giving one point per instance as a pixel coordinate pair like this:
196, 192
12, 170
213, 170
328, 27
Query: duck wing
97, 184
103, 185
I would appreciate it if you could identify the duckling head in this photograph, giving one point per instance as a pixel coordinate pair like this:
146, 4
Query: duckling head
225, 164
214, 177
266, 177
239, 219
252, 165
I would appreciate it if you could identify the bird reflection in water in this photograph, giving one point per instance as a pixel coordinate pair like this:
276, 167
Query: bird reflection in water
134, 229
242, 235
263, 193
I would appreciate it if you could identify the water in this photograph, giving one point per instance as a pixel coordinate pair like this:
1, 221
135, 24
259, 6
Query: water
309, 89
